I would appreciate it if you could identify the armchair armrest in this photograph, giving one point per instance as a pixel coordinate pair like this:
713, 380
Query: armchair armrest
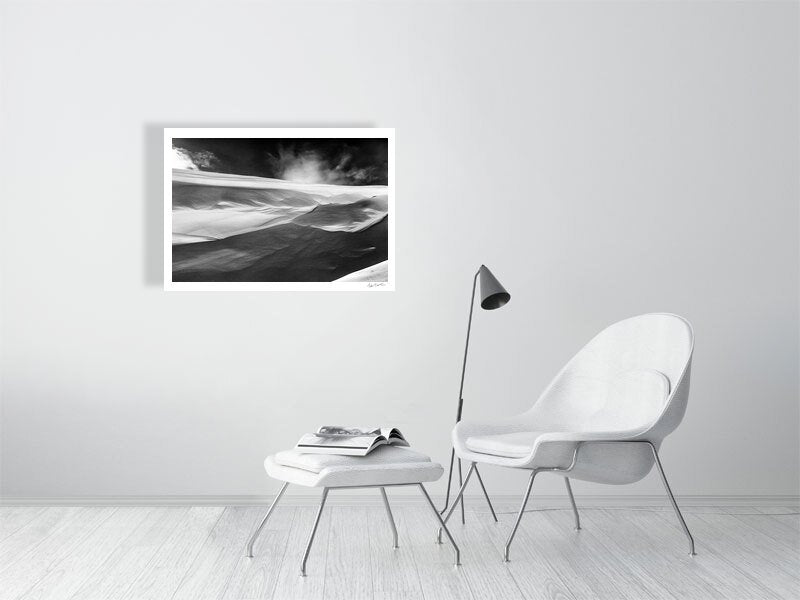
559, 451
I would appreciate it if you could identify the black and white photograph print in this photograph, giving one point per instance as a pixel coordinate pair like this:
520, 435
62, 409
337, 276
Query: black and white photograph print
279, 209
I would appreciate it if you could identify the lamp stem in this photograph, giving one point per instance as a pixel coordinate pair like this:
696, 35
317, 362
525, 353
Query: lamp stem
466, 347
460, 392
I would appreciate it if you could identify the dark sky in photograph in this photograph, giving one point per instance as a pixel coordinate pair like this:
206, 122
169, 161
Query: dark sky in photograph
342, 161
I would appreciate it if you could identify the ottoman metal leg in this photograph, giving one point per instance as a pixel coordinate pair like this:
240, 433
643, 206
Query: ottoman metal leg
442, 523
264, 521
391, 518
313, 531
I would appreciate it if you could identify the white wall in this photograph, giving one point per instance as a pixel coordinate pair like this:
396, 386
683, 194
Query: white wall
604, 160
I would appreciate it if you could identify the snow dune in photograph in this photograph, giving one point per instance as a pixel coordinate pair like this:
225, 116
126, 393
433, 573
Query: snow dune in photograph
244, 228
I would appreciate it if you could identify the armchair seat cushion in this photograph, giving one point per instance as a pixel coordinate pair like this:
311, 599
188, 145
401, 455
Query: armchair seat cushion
508, 445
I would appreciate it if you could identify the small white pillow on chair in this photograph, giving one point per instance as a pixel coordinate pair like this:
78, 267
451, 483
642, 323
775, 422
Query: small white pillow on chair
635, 400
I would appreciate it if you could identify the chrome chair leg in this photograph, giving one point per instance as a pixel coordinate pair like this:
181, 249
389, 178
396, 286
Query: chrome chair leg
519, 516
442, 523
313, 531
257, 532
461, 482
449, 481
455, 502
672, 499
485, 495
574, 507
391, 518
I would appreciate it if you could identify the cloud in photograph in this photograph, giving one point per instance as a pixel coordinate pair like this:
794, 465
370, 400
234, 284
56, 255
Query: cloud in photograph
194, 161
309, 166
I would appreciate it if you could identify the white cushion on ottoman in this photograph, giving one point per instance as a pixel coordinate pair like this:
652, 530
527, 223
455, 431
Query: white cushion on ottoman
385, 465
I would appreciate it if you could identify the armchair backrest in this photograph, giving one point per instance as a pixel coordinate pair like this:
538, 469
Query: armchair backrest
634, 375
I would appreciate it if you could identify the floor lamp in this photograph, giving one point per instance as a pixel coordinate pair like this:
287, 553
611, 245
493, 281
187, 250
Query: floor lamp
493, 295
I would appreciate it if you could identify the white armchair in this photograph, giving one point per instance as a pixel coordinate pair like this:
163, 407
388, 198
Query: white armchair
601, 419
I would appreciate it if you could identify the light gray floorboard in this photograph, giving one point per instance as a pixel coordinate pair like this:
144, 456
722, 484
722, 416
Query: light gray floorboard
211, 570
603, 571
163, 553
348, 568
487, 576
289, 584
114, 576
564, 546
394, 572
787, 523
598, 538
765, 524
538, 577
438, 577
32, 533
161, 577
255, 578
781, 511
710, 574
753, 553
79, 564
42, 558
13, 518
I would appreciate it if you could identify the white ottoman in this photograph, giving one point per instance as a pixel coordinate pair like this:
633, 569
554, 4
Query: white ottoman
384, 467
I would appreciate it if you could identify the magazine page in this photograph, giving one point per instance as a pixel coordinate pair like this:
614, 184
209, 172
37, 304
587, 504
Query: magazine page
341, 430
390, 433
395, 437
360, 442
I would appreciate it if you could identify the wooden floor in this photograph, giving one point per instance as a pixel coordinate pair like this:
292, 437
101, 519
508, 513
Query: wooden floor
86, 553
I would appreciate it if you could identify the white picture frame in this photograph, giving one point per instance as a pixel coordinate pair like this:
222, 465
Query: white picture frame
381, 277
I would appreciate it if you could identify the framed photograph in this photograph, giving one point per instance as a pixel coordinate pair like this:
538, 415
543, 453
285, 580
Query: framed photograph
279, 209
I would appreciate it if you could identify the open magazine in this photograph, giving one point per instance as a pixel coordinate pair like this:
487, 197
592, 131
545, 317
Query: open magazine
349, 441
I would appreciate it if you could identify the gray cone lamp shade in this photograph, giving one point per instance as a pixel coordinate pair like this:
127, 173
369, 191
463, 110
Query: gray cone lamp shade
493, 294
